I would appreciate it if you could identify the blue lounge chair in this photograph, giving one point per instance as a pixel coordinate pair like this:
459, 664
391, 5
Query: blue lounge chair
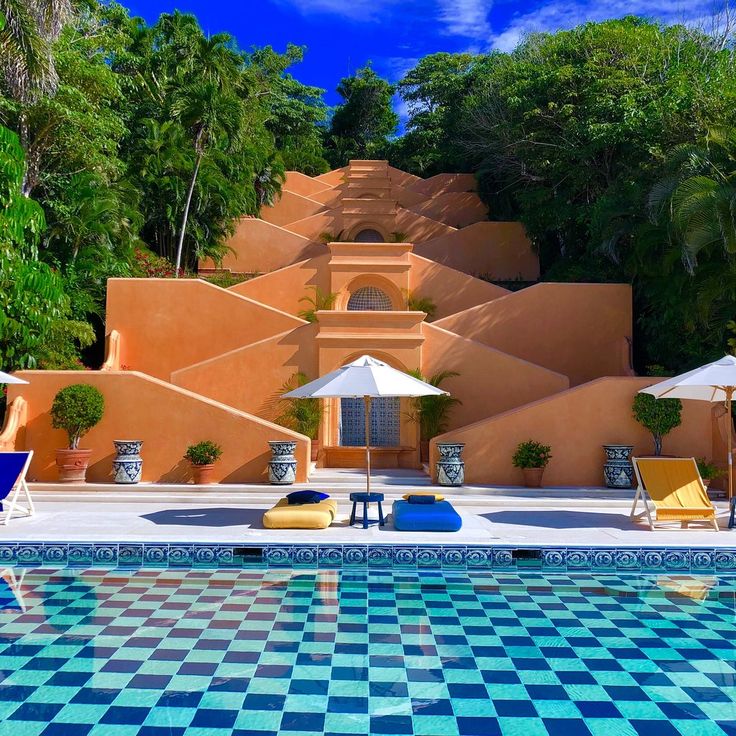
13, 469
439, 516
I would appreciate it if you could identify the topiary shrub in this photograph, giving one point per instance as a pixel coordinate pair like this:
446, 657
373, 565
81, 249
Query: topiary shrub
76, 409
659, 416
203, 453
531, 454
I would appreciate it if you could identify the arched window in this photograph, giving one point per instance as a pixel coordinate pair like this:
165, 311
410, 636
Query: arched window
369, 236
369, 299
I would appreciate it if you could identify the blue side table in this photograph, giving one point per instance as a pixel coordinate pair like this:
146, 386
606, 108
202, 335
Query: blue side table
365, 499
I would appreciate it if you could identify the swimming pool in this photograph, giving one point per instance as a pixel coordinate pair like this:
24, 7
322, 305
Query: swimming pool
345, 652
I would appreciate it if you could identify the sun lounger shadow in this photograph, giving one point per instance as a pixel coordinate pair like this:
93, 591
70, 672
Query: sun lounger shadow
561, 519
211, 516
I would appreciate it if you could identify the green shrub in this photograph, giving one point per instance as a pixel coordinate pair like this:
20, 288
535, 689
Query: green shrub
424, 304
203, 453
432, 413
318, 301
659, 416
531, 454
76, 409
708, 471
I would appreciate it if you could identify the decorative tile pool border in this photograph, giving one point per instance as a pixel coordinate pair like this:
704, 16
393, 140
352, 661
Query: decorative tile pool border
489, 557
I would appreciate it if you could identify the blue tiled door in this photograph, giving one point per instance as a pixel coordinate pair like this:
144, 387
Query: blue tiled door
384, 422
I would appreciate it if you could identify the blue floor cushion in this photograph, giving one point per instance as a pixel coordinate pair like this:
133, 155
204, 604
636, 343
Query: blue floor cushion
433, 517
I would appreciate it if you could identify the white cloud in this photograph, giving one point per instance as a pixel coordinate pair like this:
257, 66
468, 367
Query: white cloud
466, 18
560, 14
356, 10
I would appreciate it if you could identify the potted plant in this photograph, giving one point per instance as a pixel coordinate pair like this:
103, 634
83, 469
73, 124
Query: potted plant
659, 416
708, 471
76, 409
203, 457
532, 457
432, 413
300, 415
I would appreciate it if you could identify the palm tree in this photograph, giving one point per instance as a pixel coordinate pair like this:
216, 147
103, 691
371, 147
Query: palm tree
210, 114
28, 29
699, 196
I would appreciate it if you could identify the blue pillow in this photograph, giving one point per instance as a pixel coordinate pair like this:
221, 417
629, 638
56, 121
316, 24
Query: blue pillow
423, 498
299, 497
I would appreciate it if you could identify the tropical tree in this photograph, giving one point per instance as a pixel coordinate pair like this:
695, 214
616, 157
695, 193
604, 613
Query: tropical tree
362, 124
210, 114
698, 196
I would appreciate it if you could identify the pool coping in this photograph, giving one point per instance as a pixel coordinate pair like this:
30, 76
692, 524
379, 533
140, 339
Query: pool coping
581, 558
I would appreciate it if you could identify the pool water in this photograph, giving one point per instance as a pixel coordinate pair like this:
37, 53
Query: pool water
307, 652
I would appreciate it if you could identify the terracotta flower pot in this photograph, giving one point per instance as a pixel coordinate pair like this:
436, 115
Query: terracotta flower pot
533, 477
72, 465
203, 474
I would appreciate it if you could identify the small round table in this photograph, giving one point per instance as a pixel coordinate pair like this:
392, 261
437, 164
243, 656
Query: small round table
365, 499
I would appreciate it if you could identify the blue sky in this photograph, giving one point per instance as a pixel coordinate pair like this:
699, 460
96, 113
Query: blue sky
341, 35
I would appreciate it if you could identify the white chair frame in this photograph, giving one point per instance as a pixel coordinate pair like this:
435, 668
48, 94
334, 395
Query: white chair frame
12, 500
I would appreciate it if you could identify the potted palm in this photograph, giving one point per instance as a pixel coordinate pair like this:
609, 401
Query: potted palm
203, 457
432, 413
532, 458
76, 409
300, 415
708, 472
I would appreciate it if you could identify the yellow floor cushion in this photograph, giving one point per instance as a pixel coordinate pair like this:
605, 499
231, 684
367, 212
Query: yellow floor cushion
303, 516
437, 496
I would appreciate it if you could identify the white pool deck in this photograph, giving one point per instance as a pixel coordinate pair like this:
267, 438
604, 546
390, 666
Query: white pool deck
549, 517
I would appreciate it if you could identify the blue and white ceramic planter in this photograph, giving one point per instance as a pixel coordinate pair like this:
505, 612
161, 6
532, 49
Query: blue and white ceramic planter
282, 466
450, 466
127, 466
618, 471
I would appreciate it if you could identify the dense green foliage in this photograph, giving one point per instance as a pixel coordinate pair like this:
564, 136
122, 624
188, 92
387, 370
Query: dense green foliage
659, 416
128, 139
300, 415
76, 409
362, 124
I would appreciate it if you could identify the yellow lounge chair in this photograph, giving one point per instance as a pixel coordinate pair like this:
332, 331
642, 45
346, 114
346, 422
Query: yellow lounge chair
674, 486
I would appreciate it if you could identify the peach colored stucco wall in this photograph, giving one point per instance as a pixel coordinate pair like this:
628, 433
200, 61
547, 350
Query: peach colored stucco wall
499, 249
576, 329
258, 246
251, 377
452, 291
575, 423
166, 418
302, 184
166, 324
283, 289
489, 381
440, 183
417, 228
402, 178
330, 197
290, 207
312, 227
334, 177
457, 209
406, 197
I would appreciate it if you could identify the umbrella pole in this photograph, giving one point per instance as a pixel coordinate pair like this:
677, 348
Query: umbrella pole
729, 424
367, 400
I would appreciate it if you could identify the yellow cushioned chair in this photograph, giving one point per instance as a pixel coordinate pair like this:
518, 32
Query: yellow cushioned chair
675, 488
302, 516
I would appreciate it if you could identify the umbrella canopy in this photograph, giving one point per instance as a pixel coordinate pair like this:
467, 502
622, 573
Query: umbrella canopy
7, 378
713, 382
365, 378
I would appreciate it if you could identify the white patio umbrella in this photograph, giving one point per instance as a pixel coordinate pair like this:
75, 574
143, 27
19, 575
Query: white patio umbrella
714, 382
365, 378
7, 378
